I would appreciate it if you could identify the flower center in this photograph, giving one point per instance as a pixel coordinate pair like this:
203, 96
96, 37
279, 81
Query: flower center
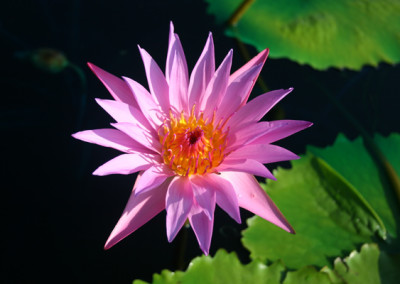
192, 145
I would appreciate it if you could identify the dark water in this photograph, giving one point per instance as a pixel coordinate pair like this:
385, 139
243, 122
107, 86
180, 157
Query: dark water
57, 216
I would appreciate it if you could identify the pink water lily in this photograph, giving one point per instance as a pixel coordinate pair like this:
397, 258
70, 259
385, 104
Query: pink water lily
195, 141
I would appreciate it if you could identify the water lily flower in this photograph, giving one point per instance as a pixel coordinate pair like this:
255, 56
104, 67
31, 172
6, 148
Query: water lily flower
195, 140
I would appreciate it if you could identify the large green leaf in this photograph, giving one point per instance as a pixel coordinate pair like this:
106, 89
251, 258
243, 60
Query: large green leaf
340, 33
333, 204
326, 212
222, 268
353, 162
369, 266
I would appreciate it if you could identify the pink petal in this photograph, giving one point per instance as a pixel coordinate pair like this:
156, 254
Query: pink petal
146, 103
246, 135
256, 108
245, 165
204, 195
280, 129
125, 164
263, 153
117, 87
138, 211
217, 87
153, 177
203, 228
140, 135
157, 83
110, 138
122, 112
179, 201
176, 73
178, 84
237, 91
253, 198
258, 59
225, 195
202, 72
170, 57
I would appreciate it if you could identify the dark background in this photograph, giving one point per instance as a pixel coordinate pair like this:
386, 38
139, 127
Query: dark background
56, 215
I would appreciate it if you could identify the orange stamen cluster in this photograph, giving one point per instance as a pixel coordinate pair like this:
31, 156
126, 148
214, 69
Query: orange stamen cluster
191, 144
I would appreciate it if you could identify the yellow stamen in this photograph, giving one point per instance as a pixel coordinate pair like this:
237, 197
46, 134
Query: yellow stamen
192, 145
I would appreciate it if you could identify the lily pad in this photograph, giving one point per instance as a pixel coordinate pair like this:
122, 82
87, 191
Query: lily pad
311, 195
369, 266
323, 34
334, 204
222, 268
351, 160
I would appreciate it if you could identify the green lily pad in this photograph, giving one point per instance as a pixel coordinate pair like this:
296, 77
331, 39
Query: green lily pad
334, 204
329, 217
369, 266
307, 275
222, 268
352, 161
323, 34
358, 267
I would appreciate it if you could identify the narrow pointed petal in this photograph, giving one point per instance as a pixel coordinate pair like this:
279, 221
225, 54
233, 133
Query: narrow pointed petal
116, 86
246, 135
179, 201
110, 138
178, 84
263, 153
202, 72
264, 132
204, 195
123, 112
257, 108
170, 58
259, 59
225, 195
125, 164
138, 211
245, 165
152, 177
156, 80
253, 198
217, 87
146, 103
281, 129
203, 229
141, 135
176, 73
237, 91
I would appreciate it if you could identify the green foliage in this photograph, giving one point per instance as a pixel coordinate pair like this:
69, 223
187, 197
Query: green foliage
310, 199
369, 266
334, 205
222, 268
352, 161
323, 34
359, 267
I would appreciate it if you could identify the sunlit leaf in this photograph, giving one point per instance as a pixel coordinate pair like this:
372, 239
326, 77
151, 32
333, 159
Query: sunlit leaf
341, 33
307, 274
369, 266
222, 268
334, 204
353, 162
324, 229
